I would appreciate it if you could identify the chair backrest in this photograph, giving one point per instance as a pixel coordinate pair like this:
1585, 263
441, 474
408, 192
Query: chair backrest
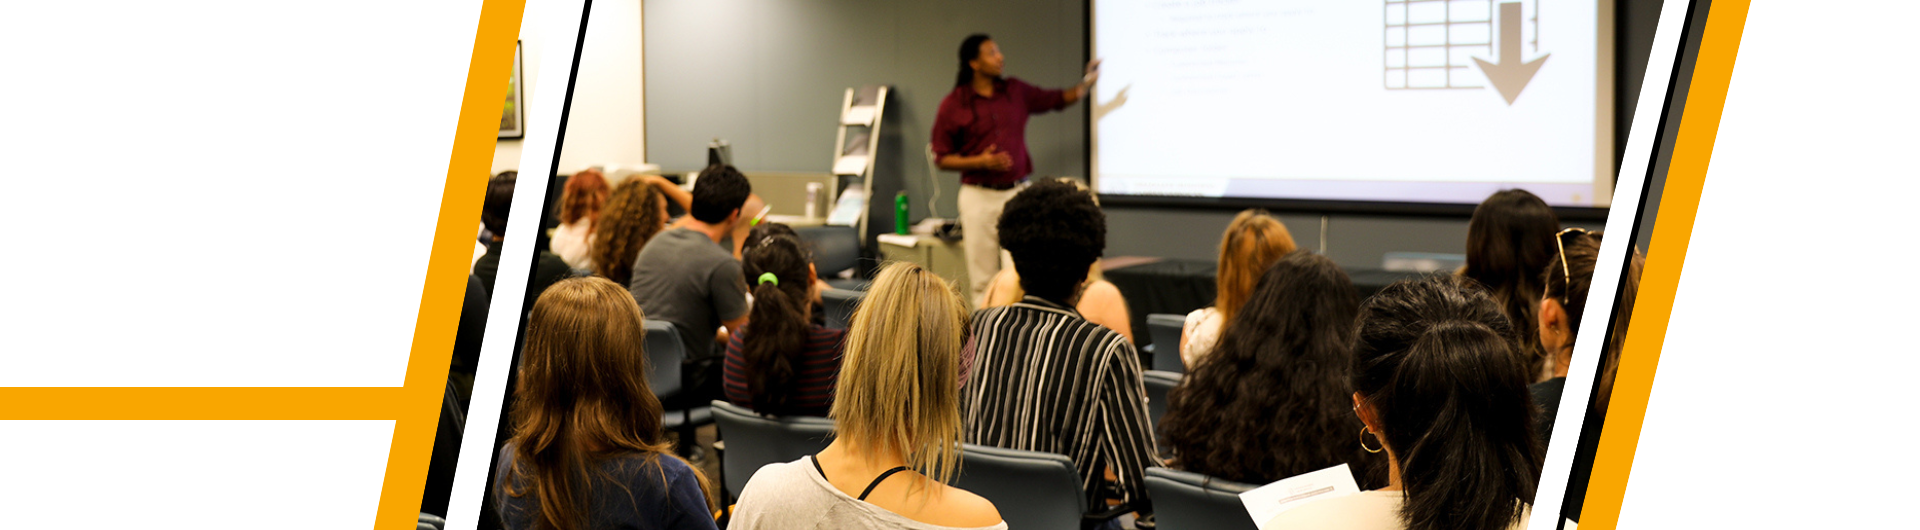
835, 248
1165, 330
754, 440
1158, 383
840, 304
1030, 488
1184, 500
664, 354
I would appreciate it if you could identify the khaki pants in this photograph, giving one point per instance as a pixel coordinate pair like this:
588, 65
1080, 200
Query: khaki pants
979, 218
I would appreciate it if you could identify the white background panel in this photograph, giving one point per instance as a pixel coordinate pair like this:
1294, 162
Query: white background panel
1783, 395
210, 193
192, 474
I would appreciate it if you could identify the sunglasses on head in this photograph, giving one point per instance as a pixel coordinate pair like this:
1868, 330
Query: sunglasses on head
1566, 270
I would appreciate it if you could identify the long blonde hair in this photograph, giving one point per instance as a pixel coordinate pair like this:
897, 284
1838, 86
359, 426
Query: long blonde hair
1254, 241
899, 387
582, 398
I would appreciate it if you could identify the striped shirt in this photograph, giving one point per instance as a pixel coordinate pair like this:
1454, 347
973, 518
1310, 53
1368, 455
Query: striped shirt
815, 372
1045, 379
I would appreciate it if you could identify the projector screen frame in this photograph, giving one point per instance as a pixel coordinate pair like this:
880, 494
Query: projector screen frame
1606, 151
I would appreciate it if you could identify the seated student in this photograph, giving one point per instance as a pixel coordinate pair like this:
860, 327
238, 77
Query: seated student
1046, 379
750, 211
1252, 242
587, 449
635, 212
897, 439
1100, 301
1568, 279
1436, 382
683, 277
580, 204
1509, 241
782, 365
493, 214
1270, 401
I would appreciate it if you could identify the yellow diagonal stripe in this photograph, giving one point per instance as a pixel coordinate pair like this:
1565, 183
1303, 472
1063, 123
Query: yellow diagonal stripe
1672, 229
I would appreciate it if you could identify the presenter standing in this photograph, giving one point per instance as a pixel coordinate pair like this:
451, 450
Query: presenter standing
980, 131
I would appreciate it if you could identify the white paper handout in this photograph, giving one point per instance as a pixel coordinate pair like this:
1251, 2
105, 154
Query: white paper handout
1266, 502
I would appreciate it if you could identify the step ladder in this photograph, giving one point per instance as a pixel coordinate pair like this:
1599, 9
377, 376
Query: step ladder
857, 143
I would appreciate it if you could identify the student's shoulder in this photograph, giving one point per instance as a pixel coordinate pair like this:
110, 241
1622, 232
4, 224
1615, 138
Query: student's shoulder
963, 509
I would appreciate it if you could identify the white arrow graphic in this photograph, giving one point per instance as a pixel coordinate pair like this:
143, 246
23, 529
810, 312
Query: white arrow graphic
1509, 76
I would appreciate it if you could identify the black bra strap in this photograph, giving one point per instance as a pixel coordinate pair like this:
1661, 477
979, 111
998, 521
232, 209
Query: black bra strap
876, 481
870, 486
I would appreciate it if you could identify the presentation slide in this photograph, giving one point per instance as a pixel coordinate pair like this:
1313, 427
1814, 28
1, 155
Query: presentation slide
1430, 101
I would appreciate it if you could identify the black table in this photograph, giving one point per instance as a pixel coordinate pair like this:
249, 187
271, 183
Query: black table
1177, 286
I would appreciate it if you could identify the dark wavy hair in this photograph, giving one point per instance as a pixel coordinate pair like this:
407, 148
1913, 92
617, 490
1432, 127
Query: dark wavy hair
635, 212
1272, 400
1432, 364
1508, 241
969, 50
719, 191
777, 333
1583, 254
1055, 232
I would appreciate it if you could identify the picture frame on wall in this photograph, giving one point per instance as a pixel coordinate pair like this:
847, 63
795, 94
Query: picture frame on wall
513, 117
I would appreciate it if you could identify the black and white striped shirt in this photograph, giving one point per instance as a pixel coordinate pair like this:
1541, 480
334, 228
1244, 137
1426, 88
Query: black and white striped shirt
1046, 379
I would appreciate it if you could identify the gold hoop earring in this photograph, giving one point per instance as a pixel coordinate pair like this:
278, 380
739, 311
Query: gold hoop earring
1363, 441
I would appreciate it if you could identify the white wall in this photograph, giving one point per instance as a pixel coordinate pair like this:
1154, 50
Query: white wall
607, 126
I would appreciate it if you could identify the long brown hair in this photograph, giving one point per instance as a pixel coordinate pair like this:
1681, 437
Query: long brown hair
585, 193
1509, 240
634, 214
582, 399
776, 267
1252, 243
1270, 402
899, 387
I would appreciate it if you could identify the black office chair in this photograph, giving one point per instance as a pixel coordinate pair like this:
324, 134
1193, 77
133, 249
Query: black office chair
1165, 330
840, 304
1184, 500
1030, 488
835, 249
665, 353
754, 441
1158, 384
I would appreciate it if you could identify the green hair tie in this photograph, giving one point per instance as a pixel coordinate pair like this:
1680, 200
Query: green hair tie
768, 277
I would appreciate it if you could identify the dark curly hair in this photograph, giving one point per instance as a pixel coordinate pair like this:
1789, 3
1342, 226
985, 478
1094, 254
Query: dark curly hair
633, 215
777, 335
1273, 400
1055, 232
1433, 367
1509, 240
719, 191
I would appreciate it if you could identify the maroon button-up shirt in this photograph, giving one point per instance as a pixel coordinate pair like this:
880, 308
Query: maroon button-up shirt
967, 124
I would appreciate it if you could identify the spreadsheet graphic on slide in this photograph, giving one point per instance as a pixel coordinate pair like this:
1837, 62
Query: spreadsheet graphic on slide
1382, 100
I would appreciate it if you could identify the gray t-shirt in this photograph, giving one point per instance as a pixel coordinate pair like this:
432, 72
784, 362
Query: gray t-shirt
792, 495
683, 277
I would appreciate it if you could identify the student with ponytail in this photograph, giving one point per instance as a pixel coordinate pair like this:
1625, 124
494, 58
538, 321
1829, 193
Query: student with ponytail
781, 364
1442, 395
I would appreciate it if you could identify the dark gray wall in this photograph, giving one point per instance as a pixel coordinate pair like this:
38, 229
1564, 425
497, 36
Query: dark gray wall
768, 76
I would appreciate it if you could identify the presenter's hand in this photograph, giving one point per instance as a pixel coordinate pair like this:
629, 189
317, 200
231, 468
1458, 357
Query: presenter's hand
994, 160
1093, 73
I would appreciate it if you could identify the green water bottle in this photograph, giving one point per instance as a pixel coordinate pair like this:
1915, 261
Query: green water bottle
900, 213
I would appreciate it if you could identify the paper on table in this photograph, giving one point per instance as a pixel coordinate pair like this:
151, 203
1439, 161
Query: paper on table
1266, 502
899, 240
